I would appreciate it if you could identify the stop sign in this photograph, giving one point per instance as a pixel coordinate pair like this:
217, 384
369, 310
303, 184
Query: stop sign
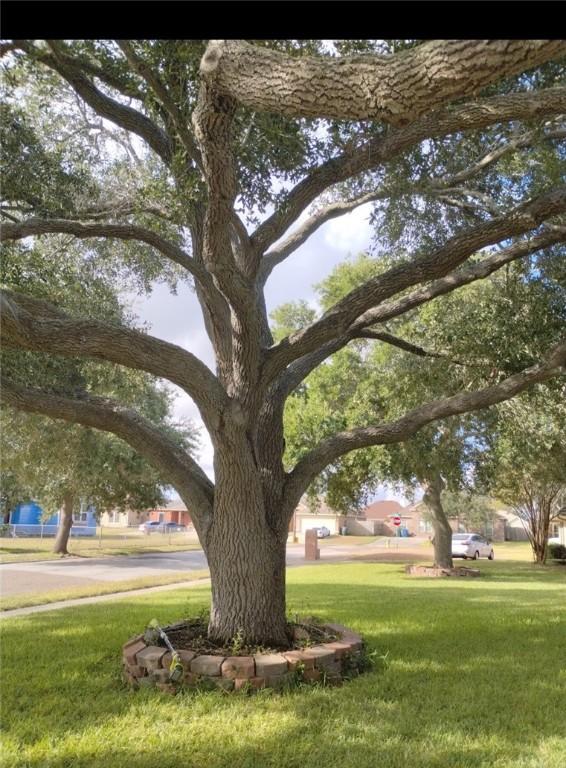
396, 520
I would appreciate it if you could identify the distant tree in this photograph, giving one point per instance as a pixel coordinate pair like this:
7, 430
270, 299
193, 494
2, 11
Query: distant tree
425, 354
527, 464
471, 510
63, 465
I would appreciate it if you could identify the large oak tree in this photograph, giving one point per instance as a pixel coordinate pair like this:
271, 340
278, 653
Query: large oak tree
247, 149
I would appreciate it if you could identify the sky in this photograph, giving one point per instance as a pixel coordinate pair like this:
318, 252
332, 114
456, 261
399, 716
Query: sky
178, 319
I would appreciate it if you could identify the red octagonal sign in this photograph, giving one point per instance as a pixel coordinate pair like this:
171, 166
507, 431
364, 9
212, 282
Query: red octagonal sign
396, 520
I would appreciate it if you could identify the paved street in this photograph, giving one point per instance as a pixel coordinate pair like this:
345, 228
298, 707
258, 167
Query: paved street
38, 577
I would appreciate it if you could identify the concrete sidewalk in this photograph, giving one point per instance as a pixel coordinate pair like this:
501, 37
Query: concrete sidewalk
37, 578
15, 612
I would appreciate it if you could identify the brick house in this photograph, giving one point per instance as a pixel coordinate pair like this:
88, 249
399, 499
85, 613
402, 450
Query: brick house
172, 512
128, 518
415, 519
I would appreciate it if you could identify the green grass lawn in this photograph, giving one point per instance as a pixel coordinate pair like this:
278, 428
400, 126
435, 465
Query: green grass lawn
476, 677
126, 541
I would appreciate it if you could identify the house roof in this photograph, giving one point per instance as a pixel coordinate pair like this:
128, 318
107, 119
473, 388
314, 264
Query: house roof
174, 505
322, 508
382, 509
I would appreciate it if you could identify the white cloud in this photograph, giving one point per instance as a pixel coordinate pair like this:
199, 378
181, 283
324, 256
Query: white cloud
350, 233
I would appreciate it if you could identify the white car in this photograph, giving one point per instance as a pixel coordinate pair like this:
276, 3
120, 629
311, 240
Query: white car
471, 545
149, 526
322, 533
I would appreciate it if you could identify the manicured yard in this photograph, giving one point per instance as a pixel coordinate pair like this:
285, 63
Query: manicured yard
126, 541
475, 677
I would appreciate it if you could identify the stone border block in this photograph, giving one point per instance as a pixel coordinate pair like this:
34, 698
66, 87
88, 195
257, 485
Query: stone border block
238, 667
150, 657
279, 681
148, 666
312, 675
160, 676
299, 658
324, 658
270, 664
131, 649
210, 666
339, 647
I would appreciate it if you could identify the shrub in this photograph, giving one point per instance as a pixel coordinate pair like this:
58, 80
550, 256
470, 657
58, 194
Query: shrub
557, 551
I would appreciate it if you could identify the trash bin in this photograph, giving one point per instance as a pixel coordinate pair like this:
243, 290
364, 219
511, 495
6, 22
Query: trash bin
343, 530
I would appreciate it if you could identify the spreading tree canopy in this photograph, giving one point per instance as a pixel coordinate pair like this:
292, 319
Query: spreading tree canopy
215, 162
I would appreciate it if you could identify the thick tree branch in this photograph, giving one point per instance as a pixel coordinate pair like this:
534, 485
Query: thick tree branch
406, 346
297, 372
88, 65
330, 449
340, 318
375, 152
467, 274
518, 142
175, 464
225, 245
159, 89
290, 244
35, 325
440, 187
125, 117
396, 89
36, 226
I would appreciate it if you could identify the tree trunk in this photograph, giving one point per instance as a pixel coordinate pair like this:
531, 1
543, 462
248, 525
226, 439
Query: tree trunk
442, 531
65, 523
541, 528
246, 558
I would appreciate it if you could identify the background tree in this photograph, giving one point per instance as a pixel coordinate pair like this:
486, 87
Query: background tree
223, 147
60, 465
527, 462
424, 354
66, 467
472, 511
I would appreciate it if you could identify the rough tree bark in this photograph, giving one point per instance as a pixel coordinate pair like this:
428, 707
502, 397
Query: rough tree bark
65, 524
242, 518
442, 540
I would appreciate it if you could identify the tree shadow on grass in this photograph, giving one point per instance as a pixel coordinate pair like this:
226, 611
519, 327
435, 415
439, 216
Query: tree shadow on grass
462, 675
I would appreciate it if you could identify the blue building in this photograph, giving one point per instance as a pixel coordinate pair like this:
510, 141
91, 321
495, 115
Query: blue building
27, 520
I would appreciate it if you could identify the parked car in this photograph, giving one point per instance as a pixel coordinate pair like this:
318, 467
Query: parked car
172, 527
149, 526
323, 532
471, 545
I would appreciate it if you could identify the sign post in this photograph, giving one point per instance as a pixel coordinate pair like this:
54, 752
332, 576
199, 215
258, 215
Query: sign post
396, 519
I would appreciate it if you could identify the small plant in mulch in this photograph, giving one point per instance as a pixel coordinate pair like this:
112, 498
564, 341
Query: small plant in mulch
191, 635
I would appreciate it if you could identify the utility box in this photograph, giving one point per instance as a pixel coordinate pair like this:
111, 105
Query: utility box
312, 552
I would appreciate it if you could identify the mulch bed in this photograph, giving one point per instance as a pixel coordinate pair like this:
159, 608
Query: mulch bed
432, 571
191, 635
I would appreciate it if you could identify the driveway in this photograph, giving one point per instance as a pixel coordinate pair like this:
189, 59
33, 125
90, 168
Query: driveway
39, 577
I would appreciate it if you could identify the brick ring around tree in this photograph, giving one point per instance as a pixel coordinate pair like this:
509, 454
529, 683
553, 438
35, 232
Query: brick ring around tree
148, 665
